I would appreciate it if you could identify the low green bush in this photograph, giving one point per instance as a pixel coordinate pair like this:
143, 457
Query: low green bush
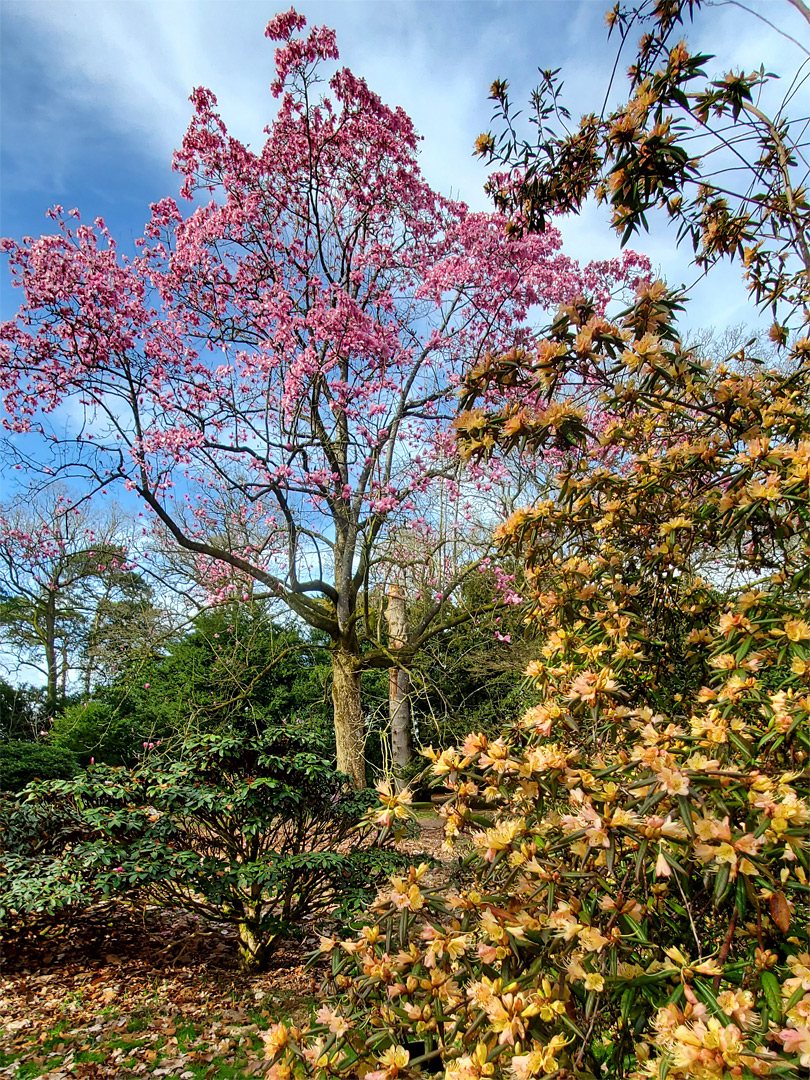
21, 762
34, 878
259, 832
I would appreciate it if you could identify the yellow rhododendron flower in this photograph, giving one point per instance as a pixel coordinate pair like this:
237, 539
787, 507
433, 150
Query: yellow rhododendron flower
540, 1061
797, 630
394, 1059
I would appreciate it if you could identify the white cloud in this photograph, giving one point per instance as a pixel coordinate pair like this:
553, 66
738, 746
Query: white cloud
128, 66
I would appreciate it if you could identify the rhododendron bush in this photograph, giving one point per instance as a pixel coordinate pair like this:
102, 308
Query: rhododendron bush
259, 833
634, 895
279, 363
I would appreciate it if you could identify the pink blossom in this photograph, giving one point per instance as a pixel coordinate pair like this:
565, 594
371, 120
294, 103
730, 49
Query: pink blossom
274, 373
282, 26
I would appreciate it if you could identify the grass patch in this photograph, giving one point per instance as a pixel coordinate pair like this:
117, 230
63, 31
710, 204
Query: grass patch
224, 1043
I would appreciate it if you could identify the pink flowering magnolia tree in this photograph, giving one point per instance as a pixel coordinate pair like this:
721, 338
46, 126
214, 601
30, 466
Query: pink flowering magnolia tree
290, 345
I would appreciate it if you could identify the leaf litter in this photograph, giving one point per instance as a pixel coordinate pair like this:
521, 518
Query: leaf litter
118, 991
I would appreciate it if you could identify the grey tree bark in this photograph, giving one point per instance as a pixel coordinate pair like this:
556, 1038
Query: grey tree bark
399, 703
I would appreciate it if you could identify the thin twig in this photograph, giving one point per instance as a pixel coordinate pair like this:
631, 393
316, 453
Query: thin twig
796, 3
724, 949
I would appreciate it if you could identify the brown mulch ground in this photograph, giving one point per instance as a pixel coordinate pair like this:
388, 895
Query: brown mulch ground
125, 992
119, 991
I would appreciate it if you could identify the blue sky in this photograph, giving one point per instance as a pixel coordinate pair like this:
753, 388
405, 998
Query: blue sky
95, 94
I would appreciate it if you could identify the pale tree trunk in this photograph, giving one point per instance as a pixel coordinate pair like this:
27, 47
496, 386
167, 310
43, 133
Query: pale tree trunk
64, 672
350, 732
51, 661
399, 704
400, 711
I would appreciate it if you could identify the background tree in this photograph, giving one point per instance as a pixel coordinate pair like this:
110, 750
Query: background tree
126, 627
62, 571
232, 670
286, 353
474, 676
451, 541
19, 708
235, 669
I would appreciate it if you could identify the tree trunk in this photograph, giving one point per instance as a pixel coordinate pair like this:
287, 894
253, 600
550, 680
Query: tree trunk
51, 662
399, 683
400, 710
350, 732
254, 950
64, 671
